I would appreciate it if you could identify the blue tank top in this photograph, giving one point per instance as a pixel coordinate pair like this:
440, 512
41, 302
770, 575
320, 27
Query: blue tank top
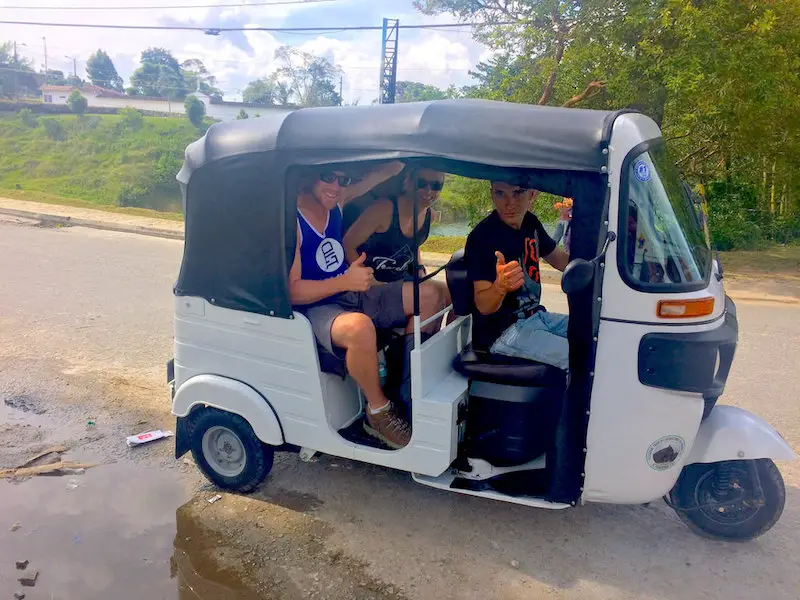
322, 253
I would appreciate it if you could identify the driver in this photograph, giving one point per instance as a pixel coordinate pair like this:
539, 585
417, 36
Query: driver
502, 255
342, 302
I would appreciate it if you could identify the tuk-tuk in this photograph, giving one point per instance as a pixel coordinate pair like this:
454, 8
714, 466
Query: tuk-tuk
651, 332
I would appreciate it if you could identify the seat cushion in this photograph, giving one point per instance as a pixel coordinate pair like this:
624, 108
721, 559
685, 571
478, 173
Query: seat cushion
495, 368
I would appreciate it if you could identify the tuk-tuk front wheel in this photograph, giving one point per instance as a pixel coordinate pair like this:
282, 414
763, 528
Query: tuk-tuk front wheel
228, 452
734, 500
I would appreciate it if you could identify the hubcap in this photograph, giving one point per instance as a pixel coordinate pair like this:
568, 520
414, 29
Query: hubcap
735, 507
224, 451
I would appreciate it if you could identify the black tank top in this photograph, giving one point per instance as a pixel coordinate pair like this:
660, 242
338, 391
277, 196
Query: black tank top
391, 253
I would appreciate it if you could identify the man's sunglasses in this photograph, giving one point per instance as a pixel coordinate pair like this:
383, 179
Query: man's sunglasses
435, 186
344, 180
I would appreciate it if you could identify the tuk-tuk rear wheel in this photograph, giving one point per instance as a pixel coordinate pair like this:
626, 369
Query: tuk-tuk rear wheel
226, 449
722, 500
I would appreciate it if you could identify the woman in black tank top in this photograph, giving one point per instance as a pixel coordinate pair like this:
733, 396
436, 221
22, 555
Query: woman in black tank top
384, 231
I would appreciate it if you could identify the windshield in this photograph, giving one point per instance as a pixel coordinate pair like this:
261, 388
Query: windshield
664, 246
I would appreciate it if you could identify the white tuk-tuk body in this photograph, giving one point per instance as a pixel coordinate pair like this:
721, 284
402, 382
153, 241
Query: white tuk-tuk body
635, 413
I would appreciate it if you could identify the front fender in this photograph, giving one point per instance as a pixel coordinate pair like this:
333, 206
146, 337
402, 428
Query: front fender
232, 396
730, 433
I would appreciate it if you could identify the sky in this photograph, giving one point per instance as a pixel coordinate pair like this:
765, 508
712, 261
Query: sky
437, 57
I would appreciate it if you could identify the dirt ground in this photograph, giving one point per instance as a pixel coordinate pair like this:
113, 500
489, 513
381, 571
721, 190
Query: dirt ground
85, 323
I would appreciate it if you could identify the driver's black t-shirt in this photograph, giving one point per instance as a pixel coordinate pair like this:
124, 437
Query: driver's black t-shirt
525, 245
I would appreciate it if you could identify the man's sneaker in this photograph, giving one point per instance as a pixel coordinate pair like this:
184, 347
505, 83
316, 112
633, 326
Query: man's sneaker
388, 427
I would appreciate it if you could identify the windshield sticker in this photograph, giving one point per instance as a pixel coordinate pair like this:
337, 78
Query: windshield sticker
641, 170
665, 452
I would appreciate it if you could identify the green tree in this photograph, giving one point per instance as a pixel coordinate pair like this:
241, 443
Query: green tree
56, 77
17, 76
101, 71
159, 75
198, 78
195, 110
77, 103
307, 79
413, 91
262, 91
721, 78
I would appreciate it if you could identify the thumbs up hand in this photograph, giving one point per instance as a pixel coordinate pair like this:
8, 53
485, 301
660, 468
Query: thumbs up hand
509, 275
359, 277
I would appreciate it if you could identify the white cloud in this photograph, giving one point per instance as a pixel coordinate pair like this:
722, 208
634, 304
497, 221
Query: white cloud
436, 57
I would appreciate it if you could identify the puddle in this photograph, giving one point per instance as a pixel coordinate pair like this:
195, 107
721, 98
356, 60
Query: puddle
105, 534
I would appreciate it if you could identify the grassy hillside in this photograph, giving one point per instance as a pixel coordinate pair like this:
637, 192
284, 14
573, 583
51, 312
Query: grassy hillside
119, 160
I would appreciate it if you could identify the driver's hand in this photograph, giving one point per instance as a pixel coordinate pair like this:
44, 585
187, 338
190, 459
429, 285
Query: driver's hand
509, 275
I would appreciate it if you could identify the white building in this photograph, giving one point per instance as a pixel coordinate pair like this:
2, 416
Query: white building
101, 97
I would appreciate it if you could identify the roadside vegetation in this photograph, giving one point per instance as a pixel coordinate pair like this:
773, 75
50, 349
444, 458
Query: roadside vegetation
124, 160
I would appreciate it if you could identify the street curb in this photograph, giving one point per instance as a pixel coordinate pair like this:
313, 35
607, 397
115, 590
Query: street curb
548, 276
44, 218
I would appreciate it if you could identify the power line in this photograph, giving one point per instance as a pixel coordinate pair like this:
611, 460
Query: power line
181, 6
218, 30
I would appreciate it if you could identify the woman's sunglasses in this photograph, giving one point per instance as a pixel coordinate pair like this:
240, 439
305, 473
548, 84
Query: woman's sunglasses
344, 180
434, 186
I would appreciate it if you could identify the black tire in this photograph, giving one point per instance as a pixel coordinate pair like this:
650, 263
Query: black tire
706, 513
257, 457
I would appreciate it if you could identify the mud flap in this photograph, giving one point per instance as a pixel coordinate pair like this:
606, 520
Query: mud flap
182, 437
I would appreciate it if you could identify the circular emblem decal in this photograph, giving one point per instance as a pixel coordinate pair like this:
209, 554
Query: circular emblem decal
330, 255
641, 170
664, 452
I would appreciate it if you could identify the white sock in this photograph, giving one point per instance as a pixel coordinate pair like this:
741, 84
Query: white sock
375, 411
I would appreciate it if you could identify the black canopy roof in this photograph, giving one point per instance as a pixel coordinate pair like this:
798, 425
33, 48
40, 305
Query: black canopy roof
503, 134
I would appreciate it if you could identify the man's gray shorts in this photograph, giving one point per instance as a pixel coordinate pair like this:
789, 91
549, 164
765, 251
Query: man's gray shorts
381, 303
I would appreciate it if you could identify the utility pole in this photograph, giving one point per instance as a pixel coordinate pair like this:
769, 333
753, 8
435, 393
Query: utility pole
16, 69
388, 81
341, 100
74, 66
44, 40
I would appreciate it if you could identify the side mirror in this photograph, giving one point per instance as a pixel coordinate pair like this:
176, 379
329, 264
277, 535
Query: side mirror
577, 276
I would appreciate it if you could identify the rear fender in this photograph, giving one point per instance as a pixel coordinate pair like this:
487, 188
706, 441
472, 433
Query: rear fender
730, 433
231, 396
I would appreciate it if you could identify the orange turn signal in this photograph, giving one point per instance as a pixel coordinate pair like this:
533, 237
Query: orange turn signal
685, 309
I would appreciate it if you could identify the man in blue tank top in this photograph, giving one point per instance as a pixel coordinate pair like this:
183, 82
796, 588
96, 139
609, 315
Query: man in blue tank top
344, 303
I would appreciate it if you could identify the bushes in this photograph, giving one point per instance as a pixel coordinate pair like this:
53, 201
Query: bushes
131, 119
126, 160
195, 110
77, 103
738, 221
55, 130
26, 117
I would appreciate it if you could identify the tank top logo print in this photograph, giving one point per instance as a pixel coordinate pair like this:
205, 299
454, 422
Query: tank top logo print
330, 255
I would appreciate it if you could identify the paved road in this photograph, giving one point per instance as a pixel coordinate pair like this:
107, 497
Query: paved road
83, 302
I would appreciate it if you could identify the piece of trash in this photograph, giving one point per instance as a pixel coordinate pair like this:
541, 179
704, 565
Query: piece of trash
515, 564
19, 595
28, 578
73, 484
91, 423
214, 499
15, 527
76, 539
144, 438
22, 564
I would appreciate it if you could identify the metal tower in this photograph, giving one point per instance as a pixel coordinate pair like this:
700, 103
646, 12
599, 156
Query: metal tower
388, 83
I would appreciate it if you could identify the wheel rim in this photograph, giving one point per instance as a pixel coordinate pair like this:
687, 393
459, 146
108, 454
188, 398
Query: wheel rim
741, 509
224, 451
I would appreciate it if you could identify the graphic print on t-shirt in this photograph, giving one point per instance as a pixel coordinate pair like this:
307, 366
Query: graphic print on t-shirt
530, 293
330, 255
399, 262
